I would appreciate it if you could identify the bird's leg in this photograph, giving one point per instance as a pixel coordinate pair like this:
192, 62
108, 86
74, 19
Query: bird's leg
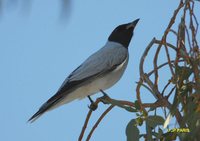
104, 93
92, 106
103, 98
90, 99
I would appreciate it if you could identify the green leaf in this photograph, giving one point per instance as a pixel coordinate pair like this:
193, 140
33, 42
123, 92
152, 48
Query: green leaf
153, 121
132, 132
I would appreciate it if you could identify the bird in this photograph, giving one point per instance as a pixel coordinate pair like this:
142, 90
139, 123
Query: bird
98, 72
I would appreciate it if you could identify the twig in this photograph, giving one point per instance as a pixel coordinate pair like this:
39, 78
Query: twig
163, 41
98, 121
170, 92
168, 44
175, 33
169, 60
188, 38
162, 65
157, 104
85, 125
165, 87
87, 120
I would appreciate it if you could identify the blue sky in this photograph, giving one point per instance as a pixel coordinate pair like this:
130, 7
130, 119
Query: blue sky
38, 51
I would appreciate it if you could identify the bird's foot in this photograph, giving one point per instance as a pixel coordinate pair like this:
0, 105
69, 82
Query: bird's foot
93, 106
104, 97
104, 93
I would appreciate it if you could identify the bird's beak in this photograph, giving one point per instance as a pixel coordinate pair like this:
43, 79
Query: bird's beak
132, 24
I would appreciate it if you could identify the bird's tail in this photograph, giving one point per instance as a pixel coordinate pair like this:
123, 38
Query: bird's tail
49, 105
44, 108
54, 102
35, 117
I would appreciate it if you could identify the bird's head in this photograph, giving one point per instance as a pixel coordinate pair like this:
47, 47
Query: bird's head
123, 33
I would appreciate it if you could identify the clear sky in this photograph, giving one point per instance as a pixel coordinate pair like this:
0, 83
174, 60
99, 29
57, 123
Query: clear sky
38, 51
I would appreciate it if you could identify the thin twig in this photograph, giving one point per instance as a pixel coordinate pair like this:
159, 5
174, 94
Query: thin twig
163, 41
98, 121
169, 60
142, 71
174, 32
170, 92
162, 65
87, 120
168, 44
85, 125
165, 87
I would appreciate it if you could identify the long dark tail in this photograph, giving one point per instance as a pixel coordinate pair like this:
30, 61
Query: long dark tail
53, 101
44, 108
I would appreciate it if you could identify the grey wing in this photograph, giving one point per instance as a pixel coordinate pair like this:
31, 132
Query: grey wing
97, 64
100, 63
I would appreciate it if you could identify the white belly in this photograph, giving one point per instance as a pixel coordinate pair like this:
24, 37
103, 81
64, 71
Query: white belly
102, 83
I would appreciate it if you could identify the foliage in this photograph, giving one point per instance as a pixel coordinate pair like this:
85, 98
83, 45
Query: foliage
183, 85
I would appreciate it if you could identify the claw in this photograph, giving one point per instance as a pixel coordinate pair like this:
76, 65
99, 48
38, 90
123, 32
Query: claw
103, 98
92, 106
